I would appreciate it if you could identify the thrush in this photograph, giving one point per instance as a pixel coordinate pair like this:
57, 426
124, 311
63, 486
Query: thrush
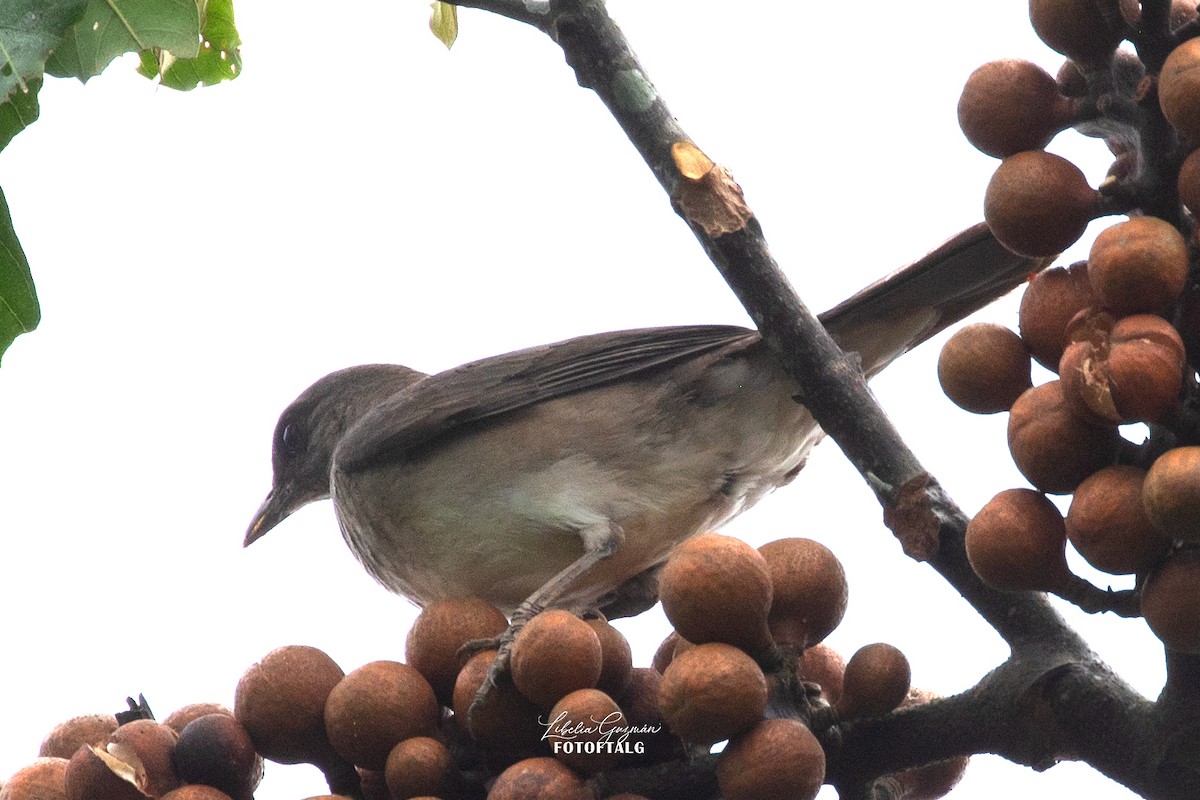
563, 475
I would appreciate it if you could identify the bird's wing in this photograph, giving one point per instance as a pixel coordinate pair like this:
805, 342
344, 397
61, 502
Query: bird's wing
903, 309
474, 392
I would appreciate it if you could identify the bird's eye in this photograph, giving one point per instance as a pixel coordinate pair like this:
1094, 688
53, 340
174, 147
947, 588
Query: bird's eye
291, 438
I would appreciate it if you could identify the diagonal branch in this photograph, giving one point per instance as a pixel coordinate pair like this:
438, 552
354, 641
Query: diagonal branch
836, 389
1052, 696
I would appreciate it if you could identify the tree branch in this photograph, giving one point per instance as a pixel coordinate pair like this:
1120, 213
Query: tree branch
1053, 698
531, 12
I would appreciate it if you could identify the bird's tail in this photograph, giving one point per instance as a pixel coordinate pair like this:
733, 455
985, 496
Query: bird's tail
903, 309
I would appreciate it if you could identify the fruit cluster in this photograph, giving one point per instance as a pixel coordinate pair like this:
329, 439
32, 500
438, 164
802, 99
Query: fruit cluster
1121, 329
200, 752
745, 664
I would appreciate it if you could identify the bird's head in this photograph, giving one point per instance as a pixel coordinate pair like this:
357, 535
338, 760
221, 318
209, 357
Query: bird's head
308, 432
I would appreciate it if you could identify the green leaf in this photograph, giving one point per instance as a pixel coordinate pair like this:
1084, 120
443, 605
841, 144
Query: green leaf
219, 58
19, 111
110, 28
19, 312
444, 23
29, 30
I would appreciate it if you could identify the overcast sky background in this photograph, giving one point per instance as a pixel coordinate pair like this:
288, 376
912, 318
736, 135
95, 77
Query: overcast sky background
360, 194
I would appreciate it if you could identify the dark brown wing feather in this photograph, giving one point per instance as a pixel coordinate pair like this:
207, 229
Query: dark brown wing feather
907, 307
485, 389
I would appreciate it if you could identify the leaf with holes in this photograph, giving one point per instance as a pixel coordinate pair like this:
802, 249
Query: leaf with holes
29, 31
219, 58
110, 28
19, 312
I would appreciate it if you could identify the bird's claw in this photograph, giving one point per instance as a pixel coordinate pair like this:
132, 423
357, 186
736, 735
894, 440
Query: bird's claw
499, 669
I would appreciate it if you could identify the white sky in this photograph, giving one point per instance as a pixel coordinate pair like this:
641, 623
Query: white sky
361, 195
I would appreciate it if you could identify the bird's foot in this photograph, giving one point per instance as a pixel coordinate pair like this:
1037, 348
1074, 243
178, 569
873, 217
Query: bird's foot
502, 644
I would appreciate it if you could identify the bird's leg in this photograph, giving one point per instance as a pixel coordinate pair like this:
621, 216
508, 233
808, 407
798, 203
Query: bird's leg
599, 542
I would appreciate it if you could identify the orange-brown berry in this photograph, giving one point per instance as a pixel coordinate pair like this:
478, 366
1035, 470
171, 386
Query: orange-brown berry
777, 758
712, 692
876, 681
1012, 105
1130, 370
1138, 266
1108, 525
65, 739
418, 766
716, 588
1082, 30
376, 706
1171, 493
1017, 542
1038, 204
555, 654
589, 724
983, 368
809, 591
1171, 602
1051, 300
438, 634
1179, 89
1051, 445
281, 703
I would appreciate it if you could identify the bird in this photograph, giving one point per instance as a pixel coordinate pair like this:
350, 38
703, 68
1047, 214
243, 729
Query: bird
564, 475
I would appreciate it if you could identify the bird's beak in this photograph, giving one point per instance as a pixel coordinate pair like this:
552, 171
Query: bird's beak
274, 510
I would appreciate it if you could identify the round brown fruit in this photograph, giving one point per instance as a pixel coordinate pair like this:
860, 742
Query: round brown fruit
1188, 182
809, 592
1130, 370
195, 791
1171, 493
1108, 525
665, 652
553, 655
1080, 29
68, 736
1017, 542
824, 666
92, 772
1052, 447
639, 702
717, 588
1138, 266
540, 779
505, 720
418, 766
1038, 204
777, 758
1051, 300
216, 750
1171, 602
983, 368
43, 779
440, 631
1179, 89
178, 720
876, 681
1012, 105
599, 720
616, 657
281, 703
712, 692
152, 745
376, 706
